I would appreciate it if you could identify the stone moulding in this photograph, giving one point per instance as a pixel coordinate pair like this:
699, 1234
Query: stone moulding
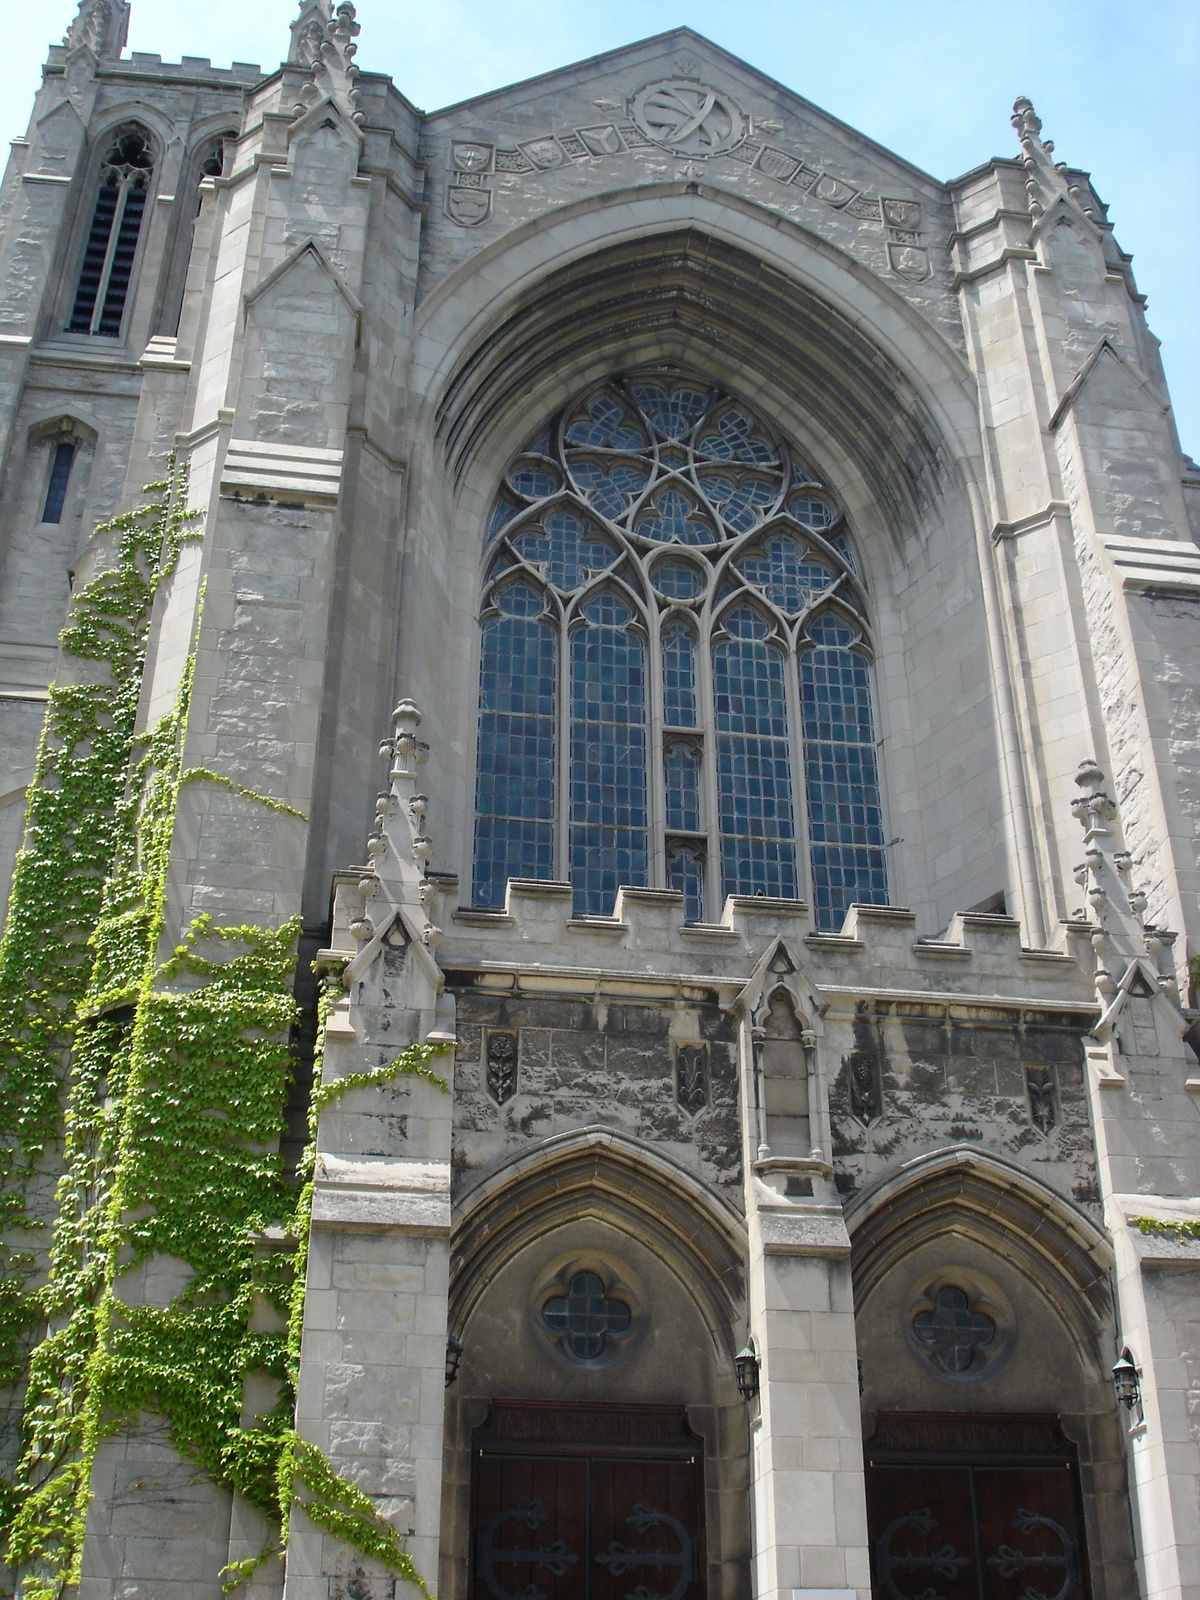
282, 472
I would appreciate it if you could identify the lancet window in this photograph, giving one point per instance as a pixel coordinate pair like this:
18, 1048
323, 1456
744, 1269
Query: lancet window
675, 674
108, 257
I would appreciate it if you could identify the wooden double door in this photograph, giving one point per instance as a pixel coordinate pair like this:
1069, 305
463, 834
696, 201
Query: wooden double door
974, 1508
586, 1503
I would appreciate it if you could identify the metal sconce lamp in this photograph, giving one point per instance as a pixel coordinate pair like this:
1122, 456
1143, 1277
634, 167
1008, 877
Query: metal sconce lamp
454, 1352
1125, 1381
745, 1365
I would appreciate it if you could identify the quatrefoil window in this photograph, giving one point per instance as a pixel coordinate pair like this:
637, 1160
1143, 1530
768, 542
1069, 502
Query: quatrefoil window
954, 1334
585, 1319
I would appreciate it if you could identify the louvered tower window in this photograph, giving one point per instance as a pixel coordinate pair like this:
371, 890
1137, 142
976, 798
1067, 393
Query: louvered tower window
124, 184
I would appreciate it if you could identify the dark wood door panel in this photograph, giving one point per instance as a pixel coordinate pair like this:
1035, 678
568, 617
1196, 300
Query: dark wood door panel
645, 1530
1027, 1533
974, 1532
530, 1528
606, 1504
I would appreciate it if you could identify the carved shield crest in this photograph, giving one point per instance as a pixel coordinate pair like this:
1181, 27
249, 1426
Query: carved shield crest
602, 141
777, 163
902, 213
909, 261
544, 153
468, 207
468, 156
833, 191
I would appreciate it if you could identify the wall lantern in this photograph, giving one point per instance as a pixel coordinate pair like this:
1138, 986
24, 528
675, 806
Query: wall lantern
454, 1351
745, 1365
1125, 1381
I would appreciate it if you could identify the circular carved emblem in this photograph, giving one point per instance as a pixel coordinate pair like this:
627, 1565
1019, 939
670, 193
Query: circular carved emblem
587, 1313
688, 117
962, 1326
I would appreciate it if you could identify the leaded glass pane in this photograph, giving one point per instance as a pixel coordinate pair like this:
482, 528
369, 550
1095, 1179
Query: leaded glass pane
671, 410
733, 436
754, 781
742, 498
607, 423
812, 512
673, 514
677, 580
533, 478
514, 789
679, 676
681, 765
685, 872
610, 487
565, 547
786, 572
609, 841
845, 817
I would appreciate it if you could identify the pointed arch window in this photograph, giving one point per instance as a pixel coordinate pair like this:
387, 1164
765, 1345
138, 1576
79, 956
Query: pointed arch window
675, 681
112, 241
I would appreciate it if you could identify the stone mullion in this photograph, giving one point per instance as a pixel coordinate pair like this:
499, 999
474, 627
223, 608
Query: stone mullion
714, 895
656, 721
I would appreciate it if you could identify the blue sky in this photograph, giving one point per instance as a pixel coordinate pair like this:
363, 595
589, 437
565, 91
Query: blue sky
1114, 83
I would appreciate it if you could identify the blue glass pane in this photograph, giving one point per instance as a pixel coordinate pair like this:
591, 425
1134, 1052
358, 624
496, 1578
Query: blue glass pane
685, 872
608, 756
534, 479
608, 424
742, 499
679, 676
514, 786
673, 411
681, 766
503, 512
754, 781
842, 546
674, 515
56, 492
734, 437
845, 818
813, 513
612, 486
678, 580
786, 572
566, 547
746, 622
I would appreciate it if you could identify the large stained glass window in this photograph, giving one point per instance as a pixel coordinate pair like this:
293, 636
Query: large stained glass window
672, 609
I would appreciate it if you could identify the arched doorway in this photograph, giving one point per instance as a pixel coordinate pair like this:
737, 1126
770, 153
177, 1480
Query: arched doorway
595, 1438
993, 1449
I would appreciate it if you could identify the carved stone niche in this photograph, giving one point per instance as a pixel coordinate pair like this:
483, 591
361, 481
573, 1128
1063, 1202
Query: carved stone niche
691, 1078
500, 1064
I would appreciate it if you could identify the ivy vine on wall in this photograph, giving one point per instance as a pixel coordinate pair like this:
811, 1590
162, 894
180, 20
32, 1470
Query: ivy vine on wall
157, 1088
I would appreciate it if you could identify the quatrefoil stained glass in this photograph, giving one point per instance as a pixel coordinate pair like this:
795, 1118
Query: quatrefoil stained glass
658, 559
585, 1318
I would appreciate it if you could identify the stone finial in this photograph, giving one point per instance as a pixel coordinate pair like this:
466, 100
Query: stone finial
334, 75
1120, 936
101, 26
308, 32
1045, 178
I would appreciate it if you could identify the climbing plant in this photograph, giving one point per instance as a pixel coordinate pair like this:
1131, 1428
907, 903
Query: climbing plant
158, 1088
71, 827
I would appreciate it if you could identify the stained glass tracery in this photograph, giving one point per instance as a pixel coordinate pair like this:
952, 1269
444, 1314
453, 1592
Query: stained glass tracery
755, 631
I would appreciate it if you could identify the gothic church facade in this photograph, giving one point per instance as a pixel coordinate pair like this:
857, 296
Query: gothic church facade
775, 579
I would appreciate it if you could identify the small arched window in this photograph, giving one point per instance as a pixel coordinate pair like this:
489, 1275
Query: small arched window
112, 241
675, 680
